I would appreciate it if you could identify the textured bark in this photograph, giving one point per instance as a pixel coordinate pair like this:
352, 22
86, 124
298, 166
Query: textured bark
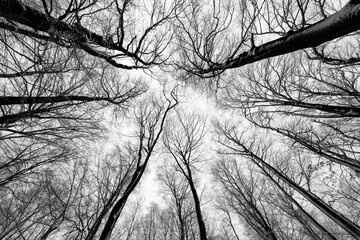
15, 11
18, 12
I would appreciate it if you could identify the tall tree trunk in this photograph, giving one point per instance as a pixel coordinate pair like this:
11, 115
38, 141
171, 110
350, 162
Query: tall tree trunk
344, 21
200, 220
16, 11
119, 206
345, 223
11, 100
308, 216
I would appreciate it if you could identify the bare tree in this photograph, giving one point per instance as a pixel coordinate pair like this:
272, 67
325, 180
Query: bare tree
106, 181
177, 189
66, 198
104, 29
156, 223
183, 139
87, 194
231, 34
309, 107
63, 69
242, 195
259, 154
37, 125
150, 121
266, 203
53, 98
322, 105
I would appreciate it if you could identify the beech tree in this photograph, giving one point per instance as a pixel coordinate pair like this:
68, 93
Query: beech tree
42, 121
306, 100
268, 207
321, 105
264, 158
64, 198
157, 223
231, 34
53, 99
87, 200
177, 195
103, 29
183, 144
150, 119
243, 197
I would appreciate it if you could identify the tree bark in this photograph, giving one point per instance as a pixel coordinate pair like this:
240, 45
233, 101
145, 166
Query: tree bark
202, 228
118, 207
18, 12
11, 100
344, 21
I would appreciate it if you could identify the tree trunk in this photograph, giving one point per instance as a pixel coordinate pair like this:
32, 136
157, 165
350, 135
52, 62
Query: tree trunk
308, 216
18, 12
118, 207
11, 100
344, 21
202, 228
345, 223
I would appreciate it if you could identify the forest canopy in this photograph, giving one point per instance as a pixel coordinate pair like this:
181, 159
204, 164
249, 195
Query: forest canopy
241, 115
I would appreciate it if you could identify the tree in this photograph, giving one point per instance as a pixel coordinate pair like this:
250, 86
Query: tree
53, 98
183, 144
66, 82
322, 105
180, 205
64, 198
309, 105
49, 123
230, 34
242, 194
150, 120
76, 201
104, 30
269, 207
129, 226
44, 118
155, 223
259, 154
